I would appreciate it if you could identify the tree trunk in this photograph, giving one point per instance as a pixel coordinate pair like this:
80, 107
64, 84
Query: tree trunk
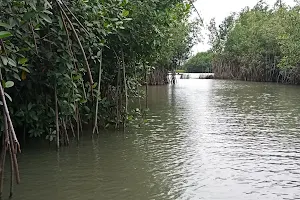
56, 118
98, 96
125, 89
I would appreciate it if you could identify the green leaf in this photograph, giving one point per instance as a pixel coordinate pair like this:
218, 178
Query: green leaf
29, 106
125, 13
32, 114
34, 117
119, 23
4, 34
95, 85
28, 15
60, 22
12, 22
7, 95
73, 107
5, 25
22, 61
67, 76
124, 2
32, 5
9, 84
78, 95
4, 60
69, 65
75, 78
114, 19
47, 4
11, 62
47, 12
16, 76
83, 101
25, 69
20, 113
45, 17
87, 109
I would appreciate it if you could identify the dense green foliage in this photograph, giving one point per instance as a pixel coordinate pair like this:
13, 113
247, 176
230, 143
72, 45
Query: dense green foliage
200, 63
259, 44
65, 49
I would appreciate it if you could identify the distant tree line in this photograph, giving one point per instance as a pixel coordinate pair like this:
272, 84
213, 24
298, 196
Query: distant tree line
199, 63
258, 44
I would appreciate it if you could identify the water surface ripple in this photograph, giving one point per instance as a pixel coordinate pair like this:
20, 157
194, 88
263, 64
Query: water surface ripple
204, 139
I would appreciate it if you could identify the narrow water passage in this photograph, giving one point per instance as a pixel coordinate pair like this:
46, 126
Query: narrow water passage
204, 139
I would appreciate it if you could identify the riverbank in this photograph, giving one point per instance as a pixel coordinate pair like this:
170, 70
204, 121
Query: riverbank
192, 76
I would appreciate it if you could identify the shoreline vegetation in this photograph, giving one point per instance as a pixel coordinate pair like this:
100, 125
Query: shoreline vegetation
199, 63
258, 44
66, 64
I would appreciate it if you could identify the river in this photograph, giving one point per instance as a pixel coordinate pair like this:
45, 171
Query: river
204, 139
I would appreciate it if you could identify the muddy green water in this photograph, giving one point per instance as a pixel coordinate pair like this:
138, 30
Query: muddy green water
205, 139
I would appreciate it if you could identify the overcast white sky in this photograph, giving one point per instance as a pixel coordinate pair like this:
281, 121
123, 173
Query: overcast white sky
220, 9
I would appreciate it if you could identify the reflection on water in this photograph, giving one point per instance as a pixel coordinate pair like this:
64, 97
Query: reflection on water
205, 139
